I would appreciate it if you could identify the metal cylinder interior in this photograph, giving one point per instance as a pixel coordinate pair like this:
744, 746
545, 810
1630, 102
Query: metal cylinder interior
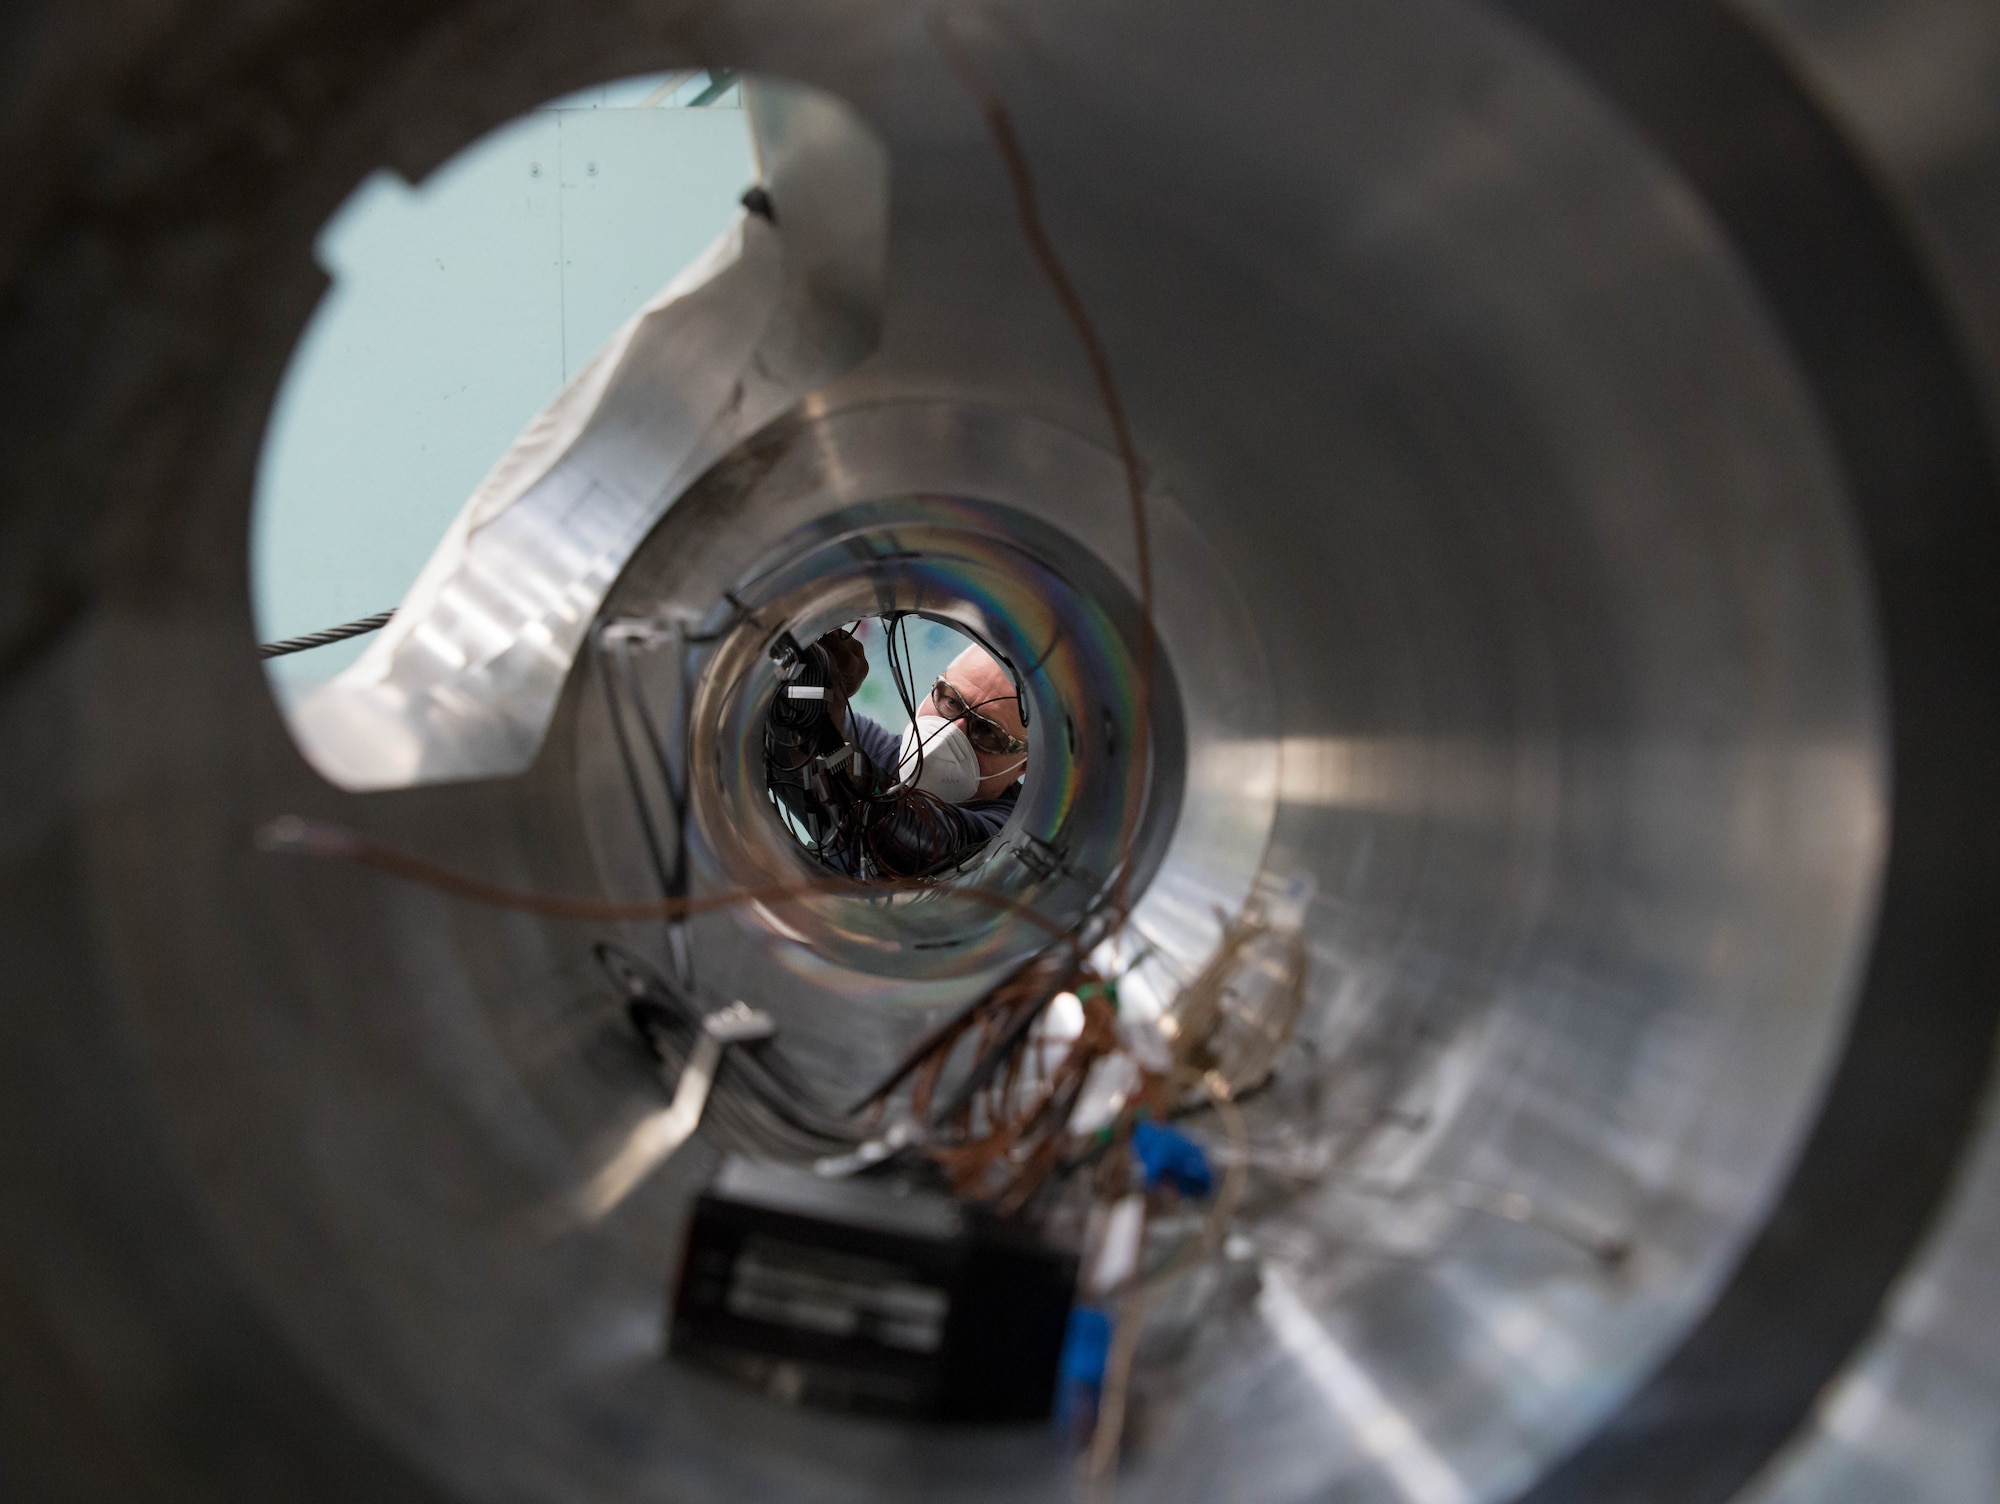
1543, 583
1034, 594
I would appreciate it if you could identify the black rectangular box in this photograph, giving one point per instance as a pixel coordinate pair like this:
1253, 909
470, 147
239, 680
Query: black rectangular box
865, 1296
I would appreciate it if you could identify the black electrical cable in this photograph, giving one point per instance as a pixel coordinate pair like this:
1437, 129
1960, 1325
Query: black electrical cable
895, 632
326, 637
625, 699
642, 806
656, 743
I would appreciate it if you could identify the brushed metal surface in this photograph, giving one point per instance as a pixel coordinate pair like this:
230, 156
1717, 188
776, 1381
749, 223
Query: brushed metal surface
1527, 583
1916, 1413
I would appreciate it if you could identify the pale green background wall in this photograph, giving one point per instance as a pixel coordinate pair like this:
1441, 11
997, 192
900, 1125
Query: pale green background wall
931, 645
458, 309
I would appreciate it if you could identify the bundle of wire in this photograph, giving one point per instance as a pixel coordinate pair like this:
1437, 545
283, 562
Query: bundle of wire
1003, 1127
998, 1133
891, 835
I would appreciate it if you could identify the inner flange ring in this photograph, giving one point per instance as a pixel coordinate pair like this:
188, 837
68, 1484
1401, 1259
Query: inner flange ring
1022, 500
1068, 628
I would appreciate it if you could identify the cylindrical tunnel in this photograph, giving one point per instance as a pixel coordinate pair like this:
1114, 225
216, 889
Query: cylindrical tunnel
1569, 507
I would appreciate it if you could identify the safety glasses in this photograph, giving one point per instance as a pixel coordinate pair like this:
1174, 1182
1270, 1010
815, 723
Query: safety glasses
984, 734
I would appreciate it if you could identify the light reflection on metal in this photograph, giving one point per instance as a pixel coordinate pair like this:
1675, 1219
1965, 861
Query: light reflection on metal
462, 683
653, 1140
1385, 1433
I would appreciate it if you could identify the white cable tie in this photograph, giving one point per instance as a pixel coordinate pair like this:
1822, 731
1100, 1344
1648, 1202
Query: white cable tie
1118, 1252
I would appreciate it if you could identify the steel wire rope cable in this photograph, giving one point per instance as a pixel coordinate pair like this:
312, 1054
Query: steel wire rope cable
326, 636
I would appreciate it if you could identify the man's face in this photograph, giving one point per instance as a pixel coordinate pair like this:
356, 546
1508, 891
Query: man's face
986, 688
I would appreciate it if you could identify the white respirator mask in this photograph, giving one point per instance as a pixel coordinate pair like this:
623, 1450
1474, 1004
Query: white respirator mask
950, 766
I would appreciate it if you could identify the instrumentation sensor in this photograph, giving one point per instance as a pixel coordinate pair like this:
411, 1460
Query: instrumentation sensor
871, 1296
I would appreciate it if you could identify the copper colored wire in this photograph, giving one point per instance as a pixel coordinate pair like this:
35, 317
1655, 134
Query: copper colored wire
1028, 209
1039, 1126
289, 833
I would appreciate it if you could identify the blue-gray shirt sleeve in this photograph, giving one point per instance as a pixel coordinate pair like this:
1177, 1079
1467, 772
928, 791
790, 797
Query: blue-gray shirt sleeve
989, 815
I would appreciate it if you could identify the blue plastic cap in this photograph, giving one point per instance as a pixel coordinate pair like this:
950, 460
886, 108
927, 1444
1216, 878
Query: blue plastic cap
1087, 1345
1169, 1157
